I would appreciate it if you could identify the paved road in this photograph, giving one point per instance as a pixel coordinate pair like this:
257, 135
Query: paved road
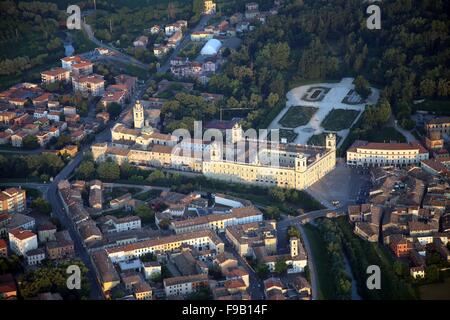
117, 54
407, 134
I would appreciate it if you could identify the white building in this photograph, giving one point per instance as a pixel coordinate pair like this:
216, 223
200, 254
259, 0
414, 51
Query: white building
151, 269
372, 154
179, 286
211, 47
21, 241
35, 256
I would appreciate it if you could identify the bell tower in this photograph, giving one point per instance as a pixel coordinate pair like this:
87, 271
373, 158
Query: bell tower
138, 115
330, 141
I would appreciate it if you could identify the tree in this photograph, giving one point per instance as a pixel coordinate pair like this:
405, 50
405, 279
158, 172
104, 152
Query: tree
41, 206
432, 273
30, 142
262, 270
148, 257
273, 212
156, 176
273, 99
164, 224
86, 170
427, 88
362, 87
108, 171
146, 214
280, 266
293, 232
114, 110
63, 140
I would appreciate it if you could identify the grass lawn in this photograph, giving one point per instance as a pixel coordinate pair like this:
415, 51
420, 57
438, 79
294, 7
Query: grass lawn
436, 291
324, 277
339, 119
191, 51
297, 116
319, 139
388, 134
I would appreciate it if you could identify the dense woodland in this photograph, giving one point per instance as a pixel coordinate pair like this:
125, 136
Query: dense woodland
319, 40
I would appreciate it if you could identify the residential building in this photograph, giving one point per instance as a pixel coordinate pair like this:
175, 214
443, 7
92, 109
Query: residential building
218, 222
141, 41
13, 200
46, 232
35, 256
83, 68
21, 241
55, 75
201, 240
183, 285
92, 84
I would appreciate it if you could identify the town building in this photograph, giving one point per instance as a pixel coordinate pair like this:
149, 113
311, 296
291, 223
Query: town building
183, 285
92, 84
373, 154
21, 241
55, 75
35, 256
13, 200
210, 7
201, 240
218, 222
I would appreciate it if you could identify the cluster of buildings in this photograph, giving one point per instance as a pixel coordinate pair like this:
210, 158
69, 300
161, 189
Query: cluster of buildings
133, 263
183, 68
173, 35
407, 211
25, 237
27, 110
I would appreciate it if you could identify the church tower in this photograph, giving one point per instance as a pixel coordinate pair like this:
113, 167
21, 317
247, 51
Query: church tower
293, 244
138, 115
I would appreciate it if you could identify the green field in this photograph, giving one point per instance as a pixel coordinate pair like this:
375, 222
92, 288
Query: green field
324, 277
339, 119
297, 116
436, 291
388, 134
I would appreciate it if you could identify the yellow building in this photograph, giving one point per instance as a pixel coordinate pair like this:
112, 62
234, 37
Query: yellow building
210, 7
298, 166
13, 200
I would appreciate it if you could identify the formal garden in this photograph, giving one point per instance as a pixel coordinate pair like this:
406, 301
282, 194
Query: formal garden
297, 116
339, 119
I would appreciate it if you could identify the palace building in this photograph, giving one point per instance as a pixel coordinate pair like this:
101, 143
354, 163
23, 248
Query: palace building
296, 166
